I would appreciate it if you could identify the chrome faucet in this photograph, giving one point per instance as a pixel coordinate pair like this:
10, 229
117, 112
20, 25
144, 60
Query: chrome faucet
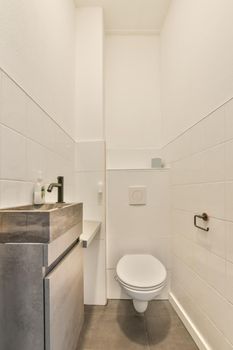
60, 189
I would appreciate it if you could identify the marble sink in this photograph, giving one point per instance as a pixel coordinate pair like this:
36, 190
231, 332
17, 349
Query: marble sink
38, 224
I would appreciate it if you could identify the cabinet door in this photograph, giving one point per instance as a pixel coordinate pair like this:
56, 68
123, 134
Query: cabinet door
64, 306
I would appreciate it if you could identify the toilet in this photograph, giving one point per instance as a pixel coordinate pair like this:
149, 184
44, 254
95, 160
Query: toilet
142, 277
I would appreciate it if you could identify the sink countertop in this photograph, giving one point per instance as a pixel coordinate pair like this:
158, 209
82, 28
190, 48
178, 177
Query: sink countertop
38, 224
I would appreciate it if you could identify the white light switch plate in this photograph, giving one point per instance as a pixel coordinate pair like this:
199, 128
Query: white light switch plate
137, 195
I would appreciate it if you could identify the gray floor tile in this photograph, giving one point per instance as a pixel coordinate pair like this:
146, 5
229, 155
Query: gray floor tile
119, 333
117, 326
168, 336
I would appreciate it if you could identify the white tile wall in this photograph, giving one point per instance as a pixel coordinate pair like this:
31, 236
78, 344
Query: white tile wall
137, 229
201, 163
229, 239
90, 170
30, 141
13, 156
13, 106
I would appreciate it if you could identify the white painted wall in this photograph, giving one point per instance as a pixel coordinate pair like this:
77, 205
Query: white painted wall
196, 58
132, 92
37, 50
89, 74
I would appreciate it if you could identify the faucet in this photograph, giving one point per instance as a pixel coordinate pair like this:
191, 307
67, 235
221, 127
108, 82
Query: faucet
60, 189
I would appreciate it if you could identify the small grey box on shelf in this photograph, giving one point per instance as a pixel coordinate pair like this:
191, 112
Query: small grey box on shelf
156, 163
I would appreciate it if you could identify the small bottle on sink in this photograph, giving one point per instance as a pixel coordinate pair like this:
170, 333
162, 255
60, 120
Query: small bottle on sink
39, 190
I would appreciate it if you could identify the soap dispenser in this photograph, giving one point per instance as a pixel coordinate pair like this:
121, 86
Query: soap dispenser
39, 190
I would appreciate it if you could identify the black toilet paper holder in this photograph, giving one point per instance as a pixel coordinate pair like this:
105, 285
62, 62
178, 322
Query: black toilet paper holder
204, 217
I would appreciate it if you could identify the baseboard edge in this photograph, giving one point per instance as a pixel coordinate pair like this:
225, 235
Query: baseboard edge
191, 328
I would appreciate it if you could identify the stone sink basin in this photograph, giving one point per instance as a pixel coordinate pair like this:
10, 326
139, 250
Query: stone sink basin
38, 223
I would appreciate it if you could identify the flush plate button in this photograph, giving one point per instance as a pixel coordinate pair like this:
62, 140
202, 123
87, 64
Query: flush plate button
137, 195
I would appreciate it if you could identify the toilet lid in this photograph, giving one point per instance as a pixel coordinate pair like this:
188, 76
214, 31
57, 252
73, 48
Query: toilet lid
141, 271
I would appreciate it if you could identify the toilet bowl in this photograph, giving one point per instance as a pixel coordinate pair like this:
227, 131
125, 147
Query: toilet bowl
142, 277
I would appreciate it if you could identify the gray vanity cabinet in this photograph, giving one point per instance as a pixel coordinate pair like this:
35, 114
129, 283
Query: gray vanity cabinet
64, 302
41, 284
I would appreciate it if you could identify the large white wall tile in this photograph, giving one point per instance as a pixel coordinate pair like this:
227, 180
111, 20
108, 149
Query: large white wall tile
12, 155
229, 120
15, 193
182, 223
184, 248
208, 197
64, 145
216, 272
229, 281
36, 124
42, 129
13, 106
228, 201
214, 128
200, 261
214, 164
189, 170
229, 238
213, 196
228, 161
30, 141
36, 161
217, 237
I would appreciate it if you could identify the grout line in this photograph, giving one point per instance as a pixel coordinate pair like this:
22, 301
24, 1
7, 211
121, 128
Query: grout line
201, 183
146, 332
194, 242
220, 295
17, 180
198, 122
36, 103
28, 138
201, 151
211, 216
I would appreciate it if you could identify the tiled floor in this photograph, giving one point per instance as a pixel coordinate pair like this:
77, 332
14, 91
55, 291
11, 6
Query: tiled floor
118, 327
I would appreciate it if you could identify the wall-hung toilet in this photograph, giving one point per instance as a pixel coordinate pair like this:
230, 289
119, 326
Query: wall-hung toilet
142, 277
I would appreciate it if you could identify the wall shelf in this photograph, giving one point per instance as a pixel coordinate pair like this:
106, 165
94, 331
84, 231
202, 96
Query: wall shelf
90, 230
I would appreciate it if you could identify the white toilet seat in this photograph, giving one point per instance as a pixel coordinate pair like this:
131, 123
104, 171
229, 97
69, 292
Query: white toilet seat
140, 288
141, 272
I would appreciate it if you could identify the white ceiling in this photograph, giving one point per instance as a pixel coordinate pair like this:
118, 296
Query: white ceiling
131, 15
